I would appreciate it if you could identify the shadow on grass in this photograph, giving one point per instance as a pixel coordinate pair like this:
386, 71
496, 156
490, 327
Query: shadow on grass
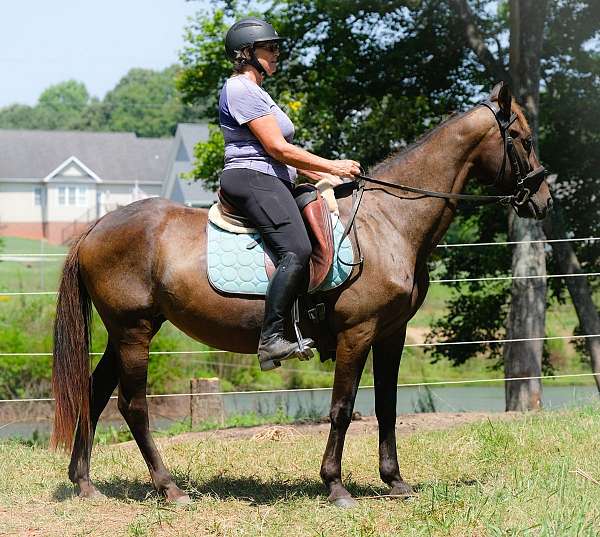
250, 489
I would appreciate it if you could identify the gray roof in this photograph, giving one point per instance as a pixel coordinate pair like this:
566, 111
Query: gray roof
192, 193
191, 134
113, 156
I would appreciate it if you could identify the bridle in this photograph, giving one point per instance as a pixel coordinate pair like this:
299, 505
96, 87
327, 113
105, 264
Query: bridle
527, 183
528, 180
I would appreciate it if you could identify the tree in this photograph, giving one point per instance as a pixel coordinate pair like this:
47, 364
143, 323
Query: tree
527, 22
146, 102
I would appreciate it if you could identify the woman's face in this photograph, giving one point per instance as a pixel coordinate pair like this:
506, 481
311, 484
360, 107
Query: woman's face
267, 54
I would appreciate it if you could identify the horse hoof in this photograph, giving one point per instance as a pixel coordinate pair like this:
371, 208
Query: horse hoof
346, 502
94, 494
402, 490
181, 500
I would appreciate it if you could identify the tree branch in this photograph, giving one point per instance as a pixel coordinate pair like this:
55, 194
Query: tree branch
494, 67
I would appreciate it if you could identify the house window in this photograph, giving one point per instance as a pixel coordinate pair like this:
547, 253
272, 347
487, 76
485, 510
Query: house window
82, 196
37, 196
73, 195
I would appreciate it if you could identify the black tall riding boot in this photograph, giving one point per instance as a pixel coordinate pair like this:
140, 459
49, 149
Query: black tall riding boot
282, 291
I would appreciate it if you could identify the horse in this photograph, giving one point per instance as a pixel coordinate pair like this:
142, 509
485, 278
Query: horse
146, 263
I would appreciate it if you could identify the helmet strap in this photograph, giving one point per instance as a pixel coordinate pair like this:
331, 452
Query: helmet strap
253, 61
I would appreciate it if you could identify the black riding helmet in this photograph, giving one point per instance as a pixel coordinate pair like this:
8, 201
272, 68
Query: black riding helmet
246, 33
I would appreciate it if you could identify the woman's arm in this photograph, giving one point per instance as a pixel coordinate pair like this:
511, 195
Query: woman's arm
266, 129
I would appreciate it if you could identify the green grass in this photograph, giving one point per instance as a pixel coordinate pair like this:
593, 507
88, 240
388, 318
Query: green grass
535, 475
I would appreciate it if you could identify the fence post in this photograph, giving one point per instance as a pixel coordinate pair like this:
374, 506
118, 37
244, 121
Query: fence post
205, 407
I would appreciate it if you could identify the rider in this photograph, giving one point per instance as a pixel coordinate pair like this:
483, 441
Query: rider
261, 165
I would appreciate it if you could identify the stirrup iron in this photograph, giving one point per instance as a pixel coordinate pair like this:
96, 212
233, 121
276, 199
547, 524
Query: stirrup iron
304, 352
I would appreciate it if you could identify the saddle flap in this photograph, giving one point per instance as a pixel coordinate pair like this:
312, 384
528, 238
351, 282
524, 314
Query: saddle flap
317, 218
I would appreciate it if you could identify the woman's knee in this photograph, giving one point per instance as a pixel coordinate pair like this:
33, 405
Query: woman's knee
302, 251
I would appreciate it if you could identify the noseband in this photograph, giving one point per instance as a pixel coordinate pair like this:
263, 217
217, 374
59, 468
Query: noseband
528, 182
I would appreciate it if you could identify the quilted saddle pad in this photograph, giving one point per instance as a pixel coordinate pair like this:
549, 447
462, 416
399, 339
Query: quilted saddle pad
234, 268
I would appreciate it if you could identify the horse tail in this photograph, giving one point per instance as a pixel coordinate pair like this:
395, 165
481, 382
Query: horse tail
71, 360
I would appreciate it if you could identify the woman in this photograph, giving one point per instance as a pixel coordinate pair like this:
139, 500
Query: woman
261, 166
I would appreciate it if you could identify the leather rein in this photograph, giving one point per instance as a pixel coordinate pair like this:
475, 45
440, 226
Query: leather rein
527, 183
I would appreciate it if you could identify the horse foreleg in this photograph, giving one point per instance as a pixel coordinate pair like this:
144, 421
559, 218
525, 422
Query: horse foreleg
351, 354
133, 372
386, 361
104, 381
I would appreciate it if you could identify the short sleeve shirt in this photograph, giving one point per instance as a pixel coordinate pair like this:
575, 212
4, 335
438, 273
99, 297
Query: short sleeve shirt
241, 101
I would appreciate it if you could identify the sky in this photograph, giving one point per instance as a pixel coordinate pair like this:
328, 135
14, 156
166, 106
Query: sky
95, 42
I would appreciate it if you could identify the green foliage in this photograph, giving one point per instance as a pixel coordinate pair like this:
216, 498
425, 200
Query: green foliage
569, 116
209, 158
143, 101
19, 376
146, 102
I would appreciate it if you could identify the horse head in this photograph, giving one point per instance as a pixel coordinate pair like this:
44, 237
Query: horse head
507, 157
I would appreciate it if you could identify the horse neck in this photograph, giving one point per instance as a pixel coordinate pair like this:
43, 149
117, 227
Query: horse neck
441, 162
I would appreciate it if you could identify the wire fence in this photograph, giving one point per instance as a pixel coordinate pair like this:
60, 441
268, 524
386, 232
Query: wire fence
423, 344
455, 245
443, 281
309, 390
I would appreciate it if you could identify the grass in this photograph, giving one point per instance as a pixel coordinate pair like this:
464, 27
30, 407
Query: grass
535, 475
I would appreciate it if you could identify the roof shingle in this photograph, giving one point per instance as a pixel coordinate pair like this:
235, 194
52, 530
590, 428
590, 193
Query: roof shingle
113, 156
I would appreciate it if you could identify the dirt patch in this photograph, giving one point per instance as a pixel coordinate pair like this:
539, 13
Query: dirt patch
405, 424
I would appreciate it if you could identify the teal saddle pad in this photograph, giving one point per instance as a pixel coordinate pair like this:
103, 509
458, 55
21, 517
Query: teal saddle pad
235, 268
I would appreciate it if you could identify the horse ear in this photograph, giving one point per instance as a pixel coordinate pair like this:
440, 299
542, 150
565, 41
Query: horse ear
505, 99
496, 91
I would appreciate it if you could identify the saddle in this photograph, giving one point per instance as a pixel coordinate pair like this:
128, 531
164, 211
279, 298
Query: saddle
315, 203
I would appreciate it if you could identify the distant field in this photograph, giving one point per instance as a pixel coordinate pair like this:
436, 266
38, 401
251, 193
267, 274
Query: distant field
533, 475
35, 274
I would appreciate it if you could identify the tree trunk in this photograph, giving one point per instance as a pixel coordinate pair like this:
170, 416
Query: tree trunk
580, 292
528, 296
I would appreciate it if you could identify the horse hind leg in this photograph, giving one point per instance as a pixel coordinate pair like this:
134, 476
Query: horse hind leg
386, 362
133, 370
104, 381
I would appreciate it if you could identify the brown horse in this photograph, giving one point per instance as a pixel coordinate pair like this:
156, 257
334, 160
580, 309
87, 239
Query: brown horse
146, 263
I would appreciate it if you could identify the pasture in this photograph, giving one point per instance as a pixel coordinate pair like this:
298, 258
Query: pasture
533, 474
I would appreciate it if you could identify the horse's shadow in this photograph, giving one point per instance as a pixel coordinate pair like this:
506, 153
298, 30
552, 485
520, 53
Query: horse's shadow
253, 490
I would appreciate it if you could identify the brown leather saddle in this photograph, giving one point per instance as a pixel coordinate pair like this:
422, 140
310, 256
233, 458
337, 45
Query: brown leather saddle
317, 218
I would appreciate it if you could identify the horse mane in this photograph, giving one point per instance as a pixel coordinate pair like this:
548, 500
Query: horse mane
399, 155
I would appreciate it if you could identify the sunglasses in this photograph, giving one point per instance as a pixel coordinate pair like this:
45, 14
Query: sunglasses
271, 47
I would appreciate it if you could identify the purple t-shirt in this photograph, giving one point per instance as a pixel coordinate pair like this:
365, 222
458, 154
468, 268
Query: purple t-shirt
242, 100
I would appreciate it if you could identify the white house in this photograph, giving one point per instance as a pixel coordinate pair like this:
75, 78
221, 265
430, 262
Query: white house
53, 183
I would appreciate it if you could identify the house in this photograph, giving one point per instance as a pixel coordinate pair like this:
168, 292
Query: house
54, 183
177, 187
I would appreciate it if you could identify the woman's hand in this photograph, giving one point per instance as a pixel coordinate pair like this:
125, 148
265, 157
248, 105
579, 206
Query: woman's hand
345, 168
330, 178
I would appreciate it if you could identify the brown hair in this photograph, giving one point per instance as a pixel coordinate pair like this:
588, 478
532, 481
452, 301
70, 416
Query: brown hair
241, 59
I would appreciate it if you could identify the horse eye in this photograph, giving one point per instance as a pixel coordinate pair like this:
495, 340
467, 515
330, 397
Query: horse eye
527, 144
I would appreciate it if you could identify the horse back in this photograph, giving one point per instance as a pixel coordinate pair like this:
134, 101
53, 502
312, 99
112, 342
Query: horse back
124, 257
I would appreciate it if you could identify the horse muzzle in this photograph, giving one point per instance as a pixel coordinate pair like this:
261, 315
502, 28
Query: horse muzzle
527, 200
